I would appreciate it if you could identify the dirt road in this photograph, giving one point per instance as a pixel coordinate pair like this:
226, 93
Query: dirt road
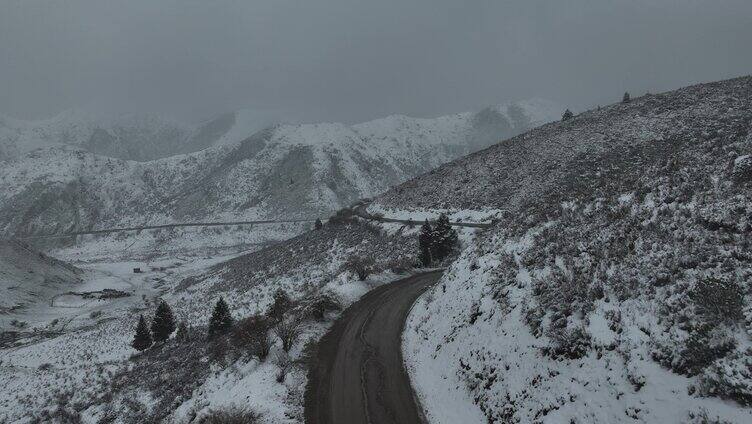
359, 376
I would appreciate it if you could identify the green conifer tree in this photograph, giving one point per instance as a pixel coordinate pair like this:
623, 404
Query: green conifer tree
567, 115
163, 324
425, 244
221, 320
444, 238
142, 339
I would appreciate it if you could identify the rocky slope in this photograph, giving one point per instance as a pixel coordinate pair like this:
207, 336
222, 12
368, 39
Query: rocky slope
616, 284
283, 171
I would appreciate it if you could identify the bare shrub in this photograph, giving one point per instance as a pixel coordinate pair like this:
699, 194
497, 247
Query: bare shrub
317, 306
252, 335
284, 363
230, 415
401, 265
288, 330
360, 266
218, 348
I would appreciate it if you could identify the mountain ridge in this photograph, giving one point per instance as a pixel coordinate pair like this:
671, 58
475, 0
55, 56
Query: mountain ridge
288, 170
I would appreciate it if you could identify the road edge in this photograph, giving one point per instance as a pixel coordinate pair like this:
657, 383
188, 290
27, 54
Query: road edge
313, 396
416, 398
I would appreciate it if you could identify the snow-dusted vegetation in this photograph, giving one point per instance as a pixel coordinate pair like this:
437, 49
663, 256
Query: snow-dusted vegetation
70, 357
617, 287
290, 292
333, 212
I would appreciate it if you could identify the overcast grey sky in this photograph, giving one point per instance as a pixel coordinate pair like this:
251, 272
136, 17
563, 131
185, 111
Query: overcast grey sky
352, 60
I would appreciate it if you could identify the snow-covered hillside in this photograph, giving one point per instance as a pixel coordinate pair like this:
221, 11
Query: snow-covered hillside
285, 171
616, 284
91, 373
29, 279
613, 287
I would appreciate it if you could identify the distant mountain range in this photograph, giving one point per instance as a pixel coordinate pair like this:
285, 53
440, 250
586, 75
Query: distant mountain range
75, 172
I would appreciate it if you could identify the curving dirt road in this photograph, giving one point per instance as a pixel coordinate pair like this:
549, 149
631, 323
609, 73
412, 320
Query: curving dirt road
359, 375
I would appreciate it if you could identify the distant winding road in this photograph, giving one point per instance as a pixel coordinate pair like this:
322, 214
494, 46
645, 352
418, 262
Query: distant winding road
359, 376
165, 226
358, 210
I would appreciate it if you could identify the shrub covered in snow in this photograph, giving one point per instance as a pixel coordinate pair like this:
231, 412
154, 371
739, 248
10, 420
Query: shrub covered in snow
730, 377
616, 288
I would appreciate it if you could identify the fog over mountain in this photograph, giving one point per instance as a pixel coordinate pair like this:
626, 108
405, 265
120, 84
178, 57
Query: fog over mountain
343, 61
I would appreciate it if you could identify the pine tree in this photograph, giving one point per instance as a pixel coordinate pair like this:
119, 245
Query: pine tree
626, 98
567, 115
142, 339
425, 243
444, 238
221, 320
163, 323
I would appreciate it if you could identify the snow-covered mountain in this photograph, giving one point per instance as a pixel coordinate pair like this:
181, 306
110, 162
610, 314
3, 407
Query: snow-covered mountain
284, 171
615, 285
137, 137
134, 137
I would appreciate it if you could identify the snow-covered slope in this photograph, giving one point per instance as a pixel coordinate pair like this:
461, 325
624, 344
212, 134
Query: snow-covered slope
28, 278
615, 286
283, 171
85, 372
